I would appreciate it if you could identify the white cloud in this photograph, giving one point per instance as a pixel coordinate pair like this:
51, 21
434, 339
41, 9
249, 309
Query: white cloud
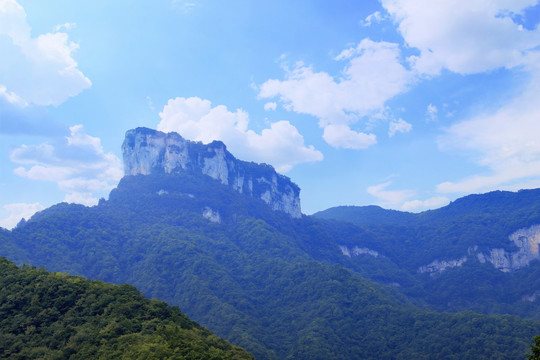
65, 26
36, 70
463, 37
398, 125
373, 74
341, 136
504, 141
77, 163
431, 113
11, 97
270, 106
17, 212
194, 118
84, 198
373, 18
421, 205
392, 199
479, 36
403, 199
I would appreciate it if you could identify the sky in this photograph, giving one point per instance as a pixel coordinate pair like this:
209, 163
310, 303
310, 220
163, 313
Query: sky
406, 104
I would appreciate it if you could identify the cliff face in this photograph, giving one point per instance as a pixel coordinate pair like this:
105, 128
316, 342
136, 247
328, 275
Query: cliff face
148, 151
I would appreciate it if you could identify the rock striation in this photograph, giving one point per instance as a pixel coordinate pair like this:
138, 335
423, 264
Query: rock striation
146, 151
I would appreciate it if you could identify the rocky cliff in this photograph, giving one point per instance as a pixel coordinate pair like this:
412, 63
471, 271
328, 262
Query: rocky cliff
148, 151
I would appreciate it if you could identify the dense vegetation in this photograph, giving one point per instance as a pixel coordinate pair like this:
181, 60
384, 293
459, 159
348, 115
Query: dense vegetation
279, 287
56, 316
408, 241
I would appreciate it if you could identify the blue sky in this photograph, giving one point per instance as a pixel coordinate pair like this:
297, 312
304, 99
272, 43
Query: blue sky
407, 104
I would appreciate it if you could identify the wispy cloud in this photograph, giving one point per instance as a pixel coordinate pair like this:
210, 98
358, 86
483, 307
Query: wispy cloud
398, 126
504, 142
431, 113
185, 6
374, 18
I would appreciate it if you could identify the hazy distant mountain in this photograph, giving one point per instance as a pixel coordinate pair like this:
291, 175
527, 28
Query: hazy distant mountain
479, 252
287, 287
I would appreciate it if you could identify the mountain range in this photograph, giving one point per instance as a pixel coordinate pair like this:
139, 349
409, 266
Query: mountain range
225, 240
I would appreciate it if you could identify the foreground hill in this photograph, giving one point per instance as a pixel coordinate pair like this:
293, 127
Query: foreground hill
56, 316
278, 286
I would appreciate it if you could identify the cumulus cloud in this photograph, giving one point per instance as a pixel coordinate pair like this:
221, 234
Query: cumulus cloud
400, 126
36, 70
464, 37
372, 75
76, 163
194, 118
17, 212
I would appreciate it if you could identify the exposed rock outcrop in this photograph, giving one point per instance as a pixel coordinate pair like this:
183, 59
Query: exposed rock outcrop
356, 251
212, 215
148, 151
439, 266
527, 241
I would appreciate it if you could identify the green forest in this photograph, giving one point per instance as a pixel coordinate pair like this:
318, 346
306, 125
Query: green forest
278, 287
47, 315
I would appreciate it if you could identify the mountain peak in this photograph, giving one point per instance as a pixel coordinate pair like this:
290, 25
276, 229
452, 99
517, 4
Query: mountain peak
146, 151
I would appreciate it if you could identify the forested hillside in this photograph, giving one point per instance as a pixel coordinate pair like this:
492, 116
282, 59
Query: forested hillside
277, 286
57, 316
469, 229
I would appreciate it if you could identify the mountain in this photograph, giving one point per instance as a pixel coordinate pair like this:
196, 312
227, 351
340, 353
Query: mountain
148, 151
278, 285
367, 215
478, 253
56, 316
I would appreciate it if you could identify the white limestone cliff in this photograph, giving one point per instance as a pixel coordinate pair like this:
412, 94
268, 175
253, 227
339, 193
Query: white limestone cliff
148, 151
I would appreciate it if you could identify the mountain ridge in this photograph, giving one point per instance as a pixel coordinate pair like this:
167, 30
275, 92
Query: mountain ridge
275, 285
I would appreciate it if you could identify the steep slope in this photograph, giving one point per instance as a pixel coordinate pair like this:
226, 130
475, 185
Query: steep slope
148, 151
56, 316
268, 282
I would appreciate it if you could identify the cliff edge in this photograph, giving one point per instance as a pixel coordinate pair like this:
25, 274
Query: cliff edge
146, 151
